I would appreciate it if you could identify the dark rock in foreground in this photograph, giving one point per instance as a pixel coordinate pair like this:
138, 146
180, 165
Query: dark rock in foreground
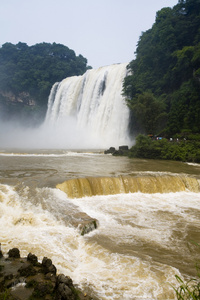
26, 278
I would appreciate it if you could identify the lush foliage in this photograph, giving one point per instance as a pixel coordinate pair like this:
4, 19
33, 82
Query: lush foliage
29, 72
163, 88
176, 149
36, 68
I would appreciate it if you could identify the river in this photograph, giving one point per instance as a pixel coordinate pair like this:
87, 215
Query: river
143, 238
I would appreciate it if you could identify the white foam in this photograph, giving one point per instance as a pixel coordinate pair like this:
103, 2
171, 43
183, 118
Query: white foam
137, 216
33, 221
65, 154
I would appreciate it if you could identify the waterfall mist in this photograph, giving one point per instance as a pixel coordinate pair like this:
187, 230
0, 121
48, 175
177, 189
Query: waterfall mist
62, 136
84, 112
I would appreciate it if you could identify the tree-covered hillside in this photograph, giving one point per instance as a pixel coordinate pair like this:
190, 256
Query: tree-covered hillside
163, 88
27, 74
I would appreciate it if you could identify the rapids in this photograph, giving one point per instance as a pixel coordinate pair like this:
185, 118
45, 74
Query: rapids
144, 237
81, 187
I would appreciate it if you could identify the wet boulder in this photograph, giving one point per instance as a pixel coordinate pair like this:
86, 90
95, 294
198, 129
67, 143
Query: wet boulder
87, 226
123, 151
111, 150
14, 252
48, 267
65, 288
32, 258
27, 269
26, 278
123, 148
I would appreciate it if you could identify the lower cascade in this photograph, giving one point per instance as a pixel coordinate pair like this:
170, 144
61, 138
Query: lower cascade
119, 228
91, 186
90, 108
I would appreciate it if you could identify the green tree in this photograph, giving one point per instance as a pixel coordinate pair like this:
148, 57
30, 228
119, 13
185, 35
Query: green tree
168, 65
148, 113
33, 70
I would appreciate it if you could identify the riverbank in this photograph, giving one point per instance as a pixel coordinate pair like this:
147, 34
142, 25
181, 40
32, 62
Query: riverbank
160, 148
28, 279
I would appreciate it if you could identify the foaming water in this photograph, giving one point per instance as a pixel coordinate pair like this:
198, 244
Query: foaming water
80, 187
110, 260
83, 112
140, 220
143, 239
127, 257
94, 104
63, 154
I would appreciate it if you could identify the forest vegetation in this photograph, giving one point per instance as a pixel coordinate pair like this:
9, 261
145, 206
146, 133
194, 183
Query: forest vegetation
174, 149
162, 89
27, 74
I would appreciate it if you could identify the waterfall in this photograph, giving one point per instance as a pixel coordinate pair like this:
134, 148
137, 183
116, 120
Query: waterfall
89, 109
92, 186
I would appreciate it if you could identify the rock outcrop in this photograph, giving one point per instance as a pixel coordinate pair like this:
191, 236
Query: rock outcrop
26, 278
122, 151
84, 222
23, 97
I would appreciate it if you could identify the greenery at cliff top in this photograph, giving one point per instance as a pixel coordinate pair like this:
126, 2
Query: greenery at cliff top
29, 72
163, 86
162, 89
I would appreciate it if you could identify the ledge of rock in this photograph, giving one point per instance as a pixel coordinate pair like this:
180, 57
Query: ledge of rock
27, 279
122, 151
84, 223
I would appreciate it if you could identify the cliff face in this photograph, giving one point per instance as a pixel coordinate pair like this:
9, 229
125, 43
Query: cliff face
21, 108
23, 97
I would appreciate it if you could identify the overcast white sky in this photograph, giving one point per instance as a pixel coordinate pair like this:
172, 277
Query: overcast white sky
103, 31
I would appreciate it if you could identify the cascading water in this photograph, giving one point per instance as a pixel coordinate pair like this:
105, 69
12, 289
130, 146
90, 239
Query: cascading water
147, 212
89, 109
